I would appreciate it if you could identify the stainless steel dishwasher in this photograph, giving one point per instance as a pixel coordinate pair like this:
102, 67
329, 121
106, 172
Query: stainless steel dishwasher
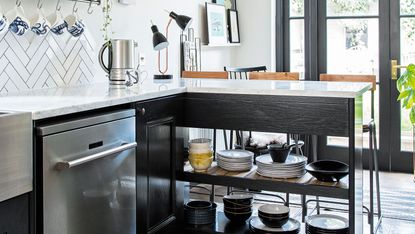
89, 184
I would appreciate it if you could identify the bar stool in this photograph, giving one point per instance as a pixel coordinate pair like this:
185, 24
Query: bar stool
242, 73
371, 129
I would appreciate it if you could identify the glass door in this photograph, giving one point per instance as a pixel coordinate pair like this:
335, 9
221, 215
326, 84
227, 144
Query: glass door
357, 37
402, 36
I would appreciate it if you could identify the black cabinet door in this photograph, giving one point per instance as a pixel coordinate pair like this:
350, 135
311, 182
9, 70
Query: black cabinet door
14, 215
156, 183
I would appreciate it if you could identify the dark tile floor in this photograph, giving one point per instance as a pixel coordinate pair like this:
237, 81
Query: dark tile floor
390, 225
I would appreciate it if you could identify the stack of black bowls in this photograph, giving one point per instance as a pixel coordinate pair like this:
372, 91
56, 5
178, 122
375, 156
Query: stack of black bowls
200, 212
273, 215
273, 218
238, 207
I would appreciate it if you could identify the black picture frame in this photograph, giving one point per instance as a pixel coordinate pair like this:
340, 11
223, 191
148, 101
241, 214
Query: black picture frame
221, 2
233, 27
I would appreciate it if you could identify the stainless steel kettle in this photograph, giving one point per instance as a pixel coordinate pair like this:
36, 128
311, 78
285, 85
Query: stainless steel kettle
121, 61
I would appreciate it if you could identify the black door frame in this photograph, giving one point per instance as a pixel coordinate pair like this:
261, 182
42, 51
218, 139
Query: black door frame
316, 47
399, 160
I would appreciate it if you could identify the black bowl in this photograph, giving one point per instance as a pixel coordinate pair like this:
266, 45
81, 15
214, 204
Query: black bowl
328, 170
238, 200
279, 153
233, 205
198, 205
274, 211
237, 217
273, 222
238, 210
200, 216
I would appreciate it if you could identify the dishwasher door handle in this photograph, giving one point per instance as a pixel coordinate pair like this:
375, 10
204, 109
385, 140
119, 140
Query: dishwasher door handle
66, 165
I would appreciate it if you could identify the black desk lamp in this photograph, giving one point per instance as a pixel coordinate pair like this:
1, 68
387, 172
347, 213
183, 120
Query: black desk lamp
160, 41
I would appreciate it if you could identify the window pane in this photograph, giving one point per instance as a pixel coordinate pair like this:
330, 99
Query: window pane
352, 7
353, 46
297, 46
343, 141
407, 56
296, 8
407, 7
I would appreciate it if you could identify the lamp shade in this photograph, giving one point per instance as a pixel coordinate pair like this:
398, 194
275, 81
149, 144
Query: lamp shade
159, 40
183, 21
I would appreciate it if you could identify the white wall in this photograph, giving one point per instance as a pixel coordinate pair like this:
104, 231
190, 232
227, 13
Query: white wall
255, 19
134, 22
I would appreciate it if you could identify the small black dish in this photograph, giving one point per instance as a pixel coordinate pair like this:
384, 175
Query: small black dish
200, 212
237, 217
273, 222
197, 205
238, 200
236, 210
328, 170
278, 152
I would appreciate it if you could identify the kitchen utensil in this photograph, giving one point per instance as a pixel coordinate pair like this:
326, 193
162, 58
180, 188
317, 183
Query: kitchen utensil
238, 200
75, 25
237, 217
292, 226
293, 167
121, 61
274, 215
200, 164
4, 24
235, 160
19, 24
57, 21
200, 212
327, 224
328, 170
40, 24
279, 152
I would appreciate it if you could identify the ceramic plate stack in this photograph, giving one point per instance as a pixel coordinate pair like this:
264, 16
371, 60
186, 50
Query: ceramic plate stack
235, 160
327, 224
291, 227
293, 167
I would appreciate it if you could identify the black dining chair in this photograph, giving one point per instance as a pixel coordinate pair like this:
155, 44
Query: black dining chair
243, 73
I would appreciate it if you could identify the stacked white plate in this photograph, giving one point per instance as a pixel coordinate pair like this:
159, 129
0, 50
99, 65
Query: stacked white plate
235, 160
293, 167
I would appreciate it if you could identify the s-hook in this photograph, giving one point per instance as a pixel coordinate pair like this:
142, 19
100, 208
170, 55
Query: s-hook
75, 9
18, 3
58, 6
90, 10
39, 4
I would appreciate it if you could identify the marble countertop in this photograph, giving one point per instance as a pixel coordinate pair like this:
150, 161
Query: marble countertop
281, 88
46, 103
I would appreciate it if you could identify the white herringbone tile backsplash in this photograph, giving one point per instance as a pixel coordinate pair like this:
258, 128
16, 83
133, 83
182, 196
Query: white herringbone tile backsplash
32, 62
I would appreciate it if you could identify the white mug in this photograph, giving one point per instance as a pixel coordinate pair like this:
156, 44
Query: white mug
40, 25
57, 23
4, 24
75, 25
19, 24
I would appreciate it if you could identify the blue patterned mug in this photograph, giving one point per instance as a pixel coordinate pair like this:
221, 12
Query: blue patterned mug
18, 22
58, 24
75, 25
4, 25
40, 25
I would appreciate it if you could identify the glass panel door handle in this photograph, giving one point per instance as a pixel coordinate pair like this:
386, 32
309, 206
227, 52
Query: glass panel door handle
394, 69
60, 166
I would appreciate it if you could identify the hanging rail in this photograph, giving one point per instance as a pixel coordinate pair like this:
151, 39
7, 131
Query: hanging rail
97, 2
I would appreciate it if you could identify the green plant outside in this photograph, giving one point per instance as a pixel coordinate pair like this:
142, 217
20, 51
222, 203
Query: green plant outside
406, 88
